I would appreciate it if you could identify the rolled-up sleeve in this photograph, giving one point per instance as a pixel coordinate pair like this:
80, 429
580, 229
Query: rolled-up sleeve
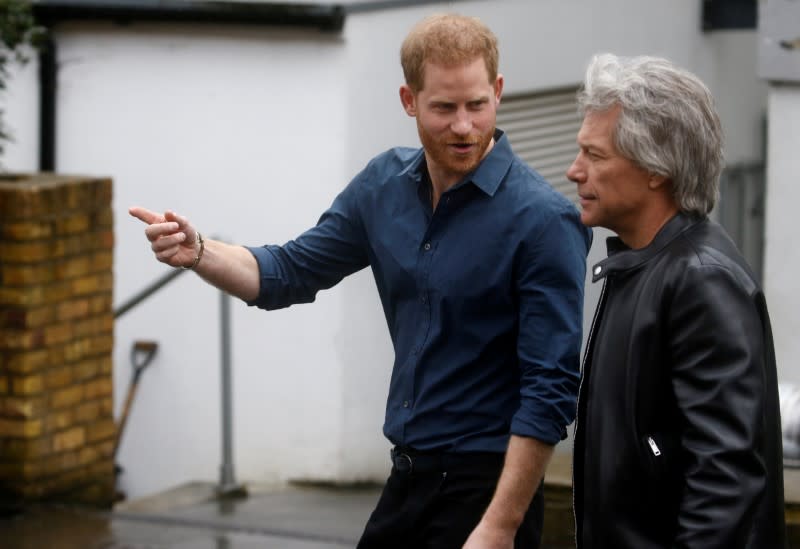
551, 285
316, 260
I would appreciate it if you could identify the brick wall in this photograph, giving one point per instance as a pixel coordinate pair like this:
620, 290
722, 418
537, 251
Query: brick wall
56, 335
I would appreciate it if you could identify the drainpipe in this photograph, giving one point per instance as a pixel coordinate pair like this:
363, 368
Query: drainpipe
47, 104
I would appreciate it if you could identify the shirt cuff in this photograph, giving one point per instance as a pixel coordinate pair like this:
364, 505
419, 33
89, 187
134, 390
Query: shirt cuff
542, 429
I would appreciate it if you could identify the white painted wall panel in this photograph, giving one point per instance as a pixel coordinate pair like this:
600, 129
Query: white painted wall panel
242, 131
782, 254
20, 106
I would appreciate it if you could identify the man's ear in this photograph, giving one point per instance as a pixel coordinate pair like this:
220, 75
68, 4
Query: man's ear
498, 88
409, 100
657, 181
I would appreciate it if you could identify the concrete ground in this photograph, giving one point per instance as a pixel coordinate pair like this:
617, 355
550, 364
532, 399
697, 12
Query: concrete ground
269, 517
192, 517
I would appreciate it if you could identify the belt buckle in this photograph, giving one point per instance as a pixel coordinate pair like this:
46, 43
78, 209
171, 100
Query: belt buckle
399, 458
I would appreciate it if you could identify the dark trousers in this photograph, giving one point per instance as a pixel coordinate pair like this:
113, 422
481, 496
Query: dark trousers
439, 509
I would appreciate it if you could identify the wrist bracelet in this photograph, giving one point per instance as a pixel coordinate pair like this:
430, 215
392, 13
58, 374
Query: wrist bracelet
199, 255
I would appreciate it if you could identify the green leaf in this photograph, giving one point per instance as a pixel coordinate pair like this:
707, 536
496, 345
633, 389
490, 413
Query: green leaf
18, 30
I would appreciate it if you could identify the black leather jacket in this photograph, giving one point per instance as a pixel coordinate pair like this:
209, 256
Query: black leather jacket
678, 440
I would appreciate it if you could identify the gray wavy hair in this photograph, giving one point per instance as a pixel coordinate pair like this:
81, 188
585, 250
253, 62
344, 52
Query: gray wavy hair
667, 125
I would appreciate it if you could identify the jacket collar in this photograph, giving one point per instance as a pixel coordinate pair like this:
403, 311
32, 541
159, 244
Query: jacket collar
622, 258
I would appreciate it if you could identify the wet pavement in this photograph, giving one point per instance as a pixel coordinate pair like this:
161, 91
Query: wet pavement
192, 517
294, 516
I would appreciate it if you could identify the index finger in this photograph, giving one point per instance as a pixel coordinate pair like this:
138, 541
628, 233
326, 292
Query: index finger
146, 215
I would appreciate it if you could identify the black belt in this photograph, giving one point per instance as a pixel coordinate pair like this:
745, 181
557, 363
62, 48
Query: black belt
407, 460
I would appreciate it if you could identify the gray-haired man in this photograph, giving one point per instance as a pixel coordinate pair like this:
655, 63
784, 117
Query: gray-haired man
678, 440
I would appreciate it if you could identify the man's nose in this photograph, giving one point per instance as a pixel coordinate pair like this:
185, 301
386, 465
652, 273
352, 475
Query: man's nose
462, 124
575, 172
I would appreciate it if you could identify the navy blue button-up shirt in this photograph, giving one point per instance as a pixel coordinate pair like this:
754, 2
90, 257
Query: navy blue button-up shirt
483, 296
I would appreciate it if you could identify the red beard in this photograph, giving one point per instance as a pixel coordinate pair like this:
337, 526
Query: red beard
442, 153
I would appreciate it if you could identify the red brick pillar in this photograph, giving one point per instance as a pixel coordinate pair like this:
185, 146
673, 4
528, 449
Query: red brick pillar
56, 337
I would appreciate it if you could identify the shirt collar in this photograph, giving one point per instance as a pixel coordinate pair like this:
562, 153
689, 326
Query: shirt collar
493, 168
487, 176
622, 258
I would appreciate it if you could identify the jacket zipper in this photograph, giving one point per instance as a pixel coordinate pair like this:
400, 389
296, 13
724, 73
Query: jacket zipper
653, 446
589, 342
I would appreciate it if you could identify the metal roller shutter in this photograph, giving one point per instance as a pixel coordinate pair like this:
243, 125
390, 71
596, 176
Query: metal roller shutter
542, 128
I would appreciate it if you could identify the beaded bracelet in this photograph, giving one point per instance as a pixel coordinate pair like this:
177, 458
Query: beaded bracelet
199, 253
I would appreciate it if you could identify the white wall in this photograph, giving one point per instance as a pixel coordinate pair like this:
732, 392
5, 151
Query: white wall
740, 95
20, 106
252, 150
252, 132
782, 254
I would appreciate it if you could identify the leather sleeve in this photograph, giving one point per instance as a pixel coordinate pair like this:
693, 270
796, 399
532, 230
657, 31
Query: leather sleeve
718, 363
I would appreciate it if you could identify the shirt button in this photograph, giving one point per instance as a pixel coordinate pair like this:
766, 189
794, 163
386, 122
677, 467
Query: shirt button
405, 404
427, 246
598, 270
